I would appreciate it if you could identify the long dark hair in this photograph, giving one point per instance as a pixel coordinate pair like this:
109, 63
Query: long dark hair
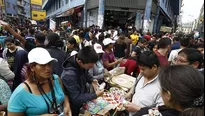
186, 86
72, 41
54, 40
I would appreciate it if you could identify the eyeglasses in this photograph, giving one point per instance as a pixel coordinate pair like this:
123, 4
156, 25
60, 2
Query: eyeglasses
181, 60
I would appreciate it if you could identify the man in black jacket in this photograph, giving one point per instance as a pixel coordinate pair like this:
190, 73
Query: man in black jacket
76, 79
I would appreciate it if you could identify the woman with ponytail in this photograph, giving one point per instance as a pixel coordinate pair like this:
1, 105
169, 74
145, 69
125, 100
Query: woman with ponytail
54, 48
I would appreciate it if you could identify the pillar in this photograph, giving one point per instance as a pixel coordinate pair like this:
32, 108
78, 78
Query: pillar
147, 15
156, 17
85, 15
101, 12
138, 20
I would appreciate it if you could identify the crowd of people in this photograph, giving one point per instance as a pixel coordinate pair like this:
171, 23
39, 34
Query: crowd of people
55, 73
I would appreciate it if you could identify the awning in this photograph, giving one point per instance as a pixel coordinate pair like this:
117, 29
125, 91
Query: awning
70, 11
66, 13
166, 29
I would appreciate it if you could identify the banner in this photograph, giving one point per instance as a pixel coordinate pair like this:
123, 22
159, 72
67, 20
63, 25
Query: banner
52, 25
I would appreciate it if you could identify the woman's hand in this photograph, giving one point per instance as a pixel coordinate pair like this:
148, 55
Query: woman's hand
67, 111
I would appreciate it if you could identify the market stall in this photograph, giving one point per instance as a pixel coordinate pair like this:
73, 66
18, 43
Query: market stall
113, 100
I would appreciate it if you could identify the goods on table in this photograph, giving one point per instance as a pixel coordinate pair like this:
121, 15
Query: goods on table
115, 72
96, 105
124, 81
119, 96
2, 113
117, 78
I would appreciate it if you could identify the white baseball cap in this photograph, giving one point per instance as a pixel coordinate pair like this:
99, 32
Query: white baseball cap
40, 56
108, 41
98, 48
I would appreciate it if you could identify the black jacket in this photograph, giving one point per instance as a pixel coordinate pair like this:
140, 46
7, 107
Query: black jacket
60, 56
75, 80
162, 109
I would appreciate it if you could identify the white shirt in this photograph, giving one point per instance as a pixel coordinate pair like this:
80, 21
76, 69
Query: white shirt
148, 95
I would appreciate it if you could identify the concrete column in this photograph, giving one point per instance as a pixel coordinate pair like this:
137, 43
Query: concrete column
156, 17
159, 24
101, 12
147, 15
85, 15
138, 20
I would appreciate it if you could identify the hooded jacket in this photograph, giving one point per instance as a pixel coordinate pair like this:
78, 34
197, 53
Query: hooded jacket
60, 56
75, 80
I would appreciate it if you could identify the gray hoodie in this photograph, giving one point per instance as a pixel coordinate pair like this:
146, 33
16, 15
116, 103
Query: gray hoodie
5, 70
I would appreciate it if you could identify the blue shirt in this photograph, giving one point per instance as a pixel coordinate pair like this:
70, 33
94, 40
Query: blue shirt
33, 105
176, 45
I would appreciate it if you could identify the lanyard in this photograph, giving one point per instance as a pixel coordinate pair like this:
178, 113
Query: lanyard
53, 101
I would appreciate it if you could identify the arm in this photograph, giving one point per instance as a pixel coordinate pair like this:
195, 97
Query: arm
108, 65
74, 91
5, 71
4, 53
3, 107
67, 109
15, 114
16, 35
100, 76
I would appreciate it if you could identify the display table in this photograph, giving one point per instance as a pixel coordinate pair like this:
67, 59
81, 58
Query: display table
113, 101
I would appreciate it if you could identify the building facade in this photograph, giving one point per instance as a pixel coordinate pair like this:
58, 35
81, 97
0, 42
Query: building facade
120, 12
64, 10
148, 15
27, 8
169, 14
11, 7
200, 25
2, 9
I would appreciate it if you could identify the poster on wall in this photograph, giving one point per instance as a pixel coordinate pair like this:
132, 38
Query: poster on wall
52, 25
146, 25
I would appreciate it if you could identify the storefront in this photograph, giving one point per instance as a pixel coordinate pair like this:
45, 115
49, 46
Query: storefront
118, 12
73, 15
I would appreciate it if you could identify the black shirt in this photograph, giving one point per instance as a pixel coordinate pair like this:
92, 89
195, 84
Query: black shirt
10, 58
120, 50
29, 46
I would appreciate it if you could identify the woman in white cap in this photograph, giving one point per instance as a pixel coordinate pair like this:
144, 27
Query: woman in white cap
42, 93
98, 70
108, 57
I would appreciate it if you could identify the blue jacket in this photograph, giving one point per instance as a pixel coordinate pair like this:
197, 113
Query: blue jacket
76, 81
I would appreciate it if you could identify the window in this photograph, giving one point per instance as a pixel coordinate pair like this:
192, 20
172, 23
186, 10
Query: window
56, 5
7, 4
59, 3
166, 5
66, 1
14, 7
